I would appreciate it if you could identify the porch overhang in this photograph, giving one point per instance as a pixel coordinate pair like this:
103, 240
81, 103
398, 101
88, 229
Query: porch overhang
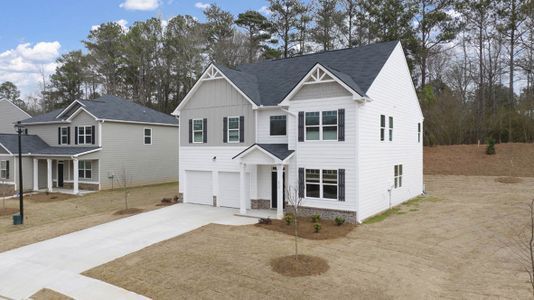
266, 154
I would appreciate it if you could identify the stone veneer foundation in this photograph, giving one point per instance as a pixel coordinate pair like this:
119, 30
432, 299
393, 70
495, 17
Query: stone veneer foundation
327, 214
7, 189
260, 203
81, 186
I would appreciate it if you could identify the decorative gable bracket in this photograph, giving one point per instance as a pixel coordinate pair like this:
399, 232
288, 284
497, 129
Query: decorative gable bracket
211, 74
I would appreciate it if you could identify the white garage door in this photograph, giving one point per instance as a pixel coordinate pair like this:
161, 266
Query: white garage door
198, 187
229, 189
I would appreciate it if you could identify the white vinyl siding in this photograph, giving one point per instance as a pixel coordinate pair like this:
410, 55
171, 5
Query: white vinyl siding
233, 129
147, 136
198, 131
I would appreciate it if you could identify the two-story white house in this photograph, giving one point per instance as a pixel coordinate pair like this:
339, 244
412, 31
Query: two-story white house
92, 145
342, 128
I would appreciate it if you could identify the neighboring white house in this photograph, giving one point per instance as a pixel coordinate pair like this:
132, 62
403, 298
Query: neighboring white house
9, 115
93, 145
343, 128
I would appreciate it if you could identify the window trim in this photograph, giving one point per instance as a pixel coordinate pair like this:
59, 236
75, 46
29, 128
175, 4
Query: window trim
321, 184
270, 125
238, 129
145, 136
200, 130
321, 126
85, 135
3, 169
83, 170
64, 135
398, 171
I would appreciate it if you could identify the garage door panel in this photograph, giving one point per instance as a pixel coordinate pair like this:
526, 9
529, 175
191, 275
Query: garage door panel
199, 187
229, 189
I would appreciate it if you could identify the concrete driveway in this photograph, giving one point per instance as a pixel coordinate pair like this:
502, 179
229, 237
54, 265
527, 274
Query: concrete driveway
57, 263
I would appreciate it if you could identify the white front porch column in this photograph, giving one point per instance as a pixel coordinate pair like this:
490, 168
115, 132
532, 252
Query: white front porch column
279, 191
35, 174
242, 190
49, 174
75, 176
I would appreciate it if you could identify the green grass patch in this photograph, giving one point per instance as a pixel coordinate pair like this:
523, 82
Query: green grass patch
381, 217
419, 199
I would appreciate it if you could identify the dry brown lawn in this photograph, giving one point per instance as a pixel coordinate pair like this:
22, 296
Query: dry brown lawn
47, 294
512, 159
458, 247
45, 219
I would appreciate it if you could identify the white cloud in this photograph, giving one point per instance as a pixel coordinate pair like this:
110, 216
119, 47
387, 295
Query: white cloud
122, 23
202, 5
24, 64
265, 10
140, 4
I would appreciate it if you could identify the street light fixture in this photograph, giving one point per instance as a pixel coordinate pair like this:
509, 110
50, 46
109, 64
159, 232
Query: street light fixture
19, 220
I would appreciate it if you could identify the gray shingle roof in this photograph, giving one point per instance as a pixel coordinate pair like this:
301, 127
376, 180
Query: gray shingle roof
269, 82
112, 108
281, 151
32, 144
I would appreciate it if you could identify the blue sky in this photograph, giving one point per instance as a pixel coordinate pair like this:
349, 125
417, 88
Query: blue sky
34, 33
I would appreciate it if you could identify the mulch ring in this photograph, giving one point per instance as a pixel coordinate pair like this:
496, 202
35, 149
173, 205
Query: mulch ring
304, 265
8, 211
329, 230
509, 179
128, 211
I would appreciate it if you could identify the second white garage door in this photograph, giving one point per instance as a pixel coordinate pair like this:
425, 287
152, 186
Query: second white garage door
229, 189
198, 187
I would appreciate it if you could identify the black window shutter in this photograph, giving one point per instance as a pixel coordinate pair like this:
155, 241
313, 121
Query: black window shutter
242, 129
205, 127
59, 135
341, 124
225, 130
68, 135
301, 182
190, 131
7, 168
341, 184
26, 131
301, 126
76, 135
93, 134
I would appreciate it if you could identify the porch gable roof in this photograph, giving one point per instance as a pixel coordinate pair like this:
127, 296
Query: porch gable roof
34, 145
279, 151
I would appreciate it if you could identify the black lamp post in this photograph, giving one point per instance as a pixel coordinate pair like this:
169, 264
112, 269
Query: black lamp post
21, 188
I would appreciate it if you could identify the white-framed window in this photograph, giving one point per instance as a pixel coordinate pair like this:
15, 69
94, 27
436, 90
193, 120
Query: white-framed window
198, 131
85, 135
329, 122
321, 125
64, 135
321, 184
419, 132
397, 172
4, 169
278, 125
84, 169
233, 130
382, 127
147, 136
390, 129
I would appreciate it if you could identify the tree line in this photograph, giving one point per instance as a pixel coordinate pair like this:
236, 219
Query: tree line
471, 62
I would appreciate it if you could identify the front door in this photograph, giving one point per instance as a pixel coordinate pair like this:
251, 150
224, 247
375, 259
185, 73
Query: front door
60, 174
274, 189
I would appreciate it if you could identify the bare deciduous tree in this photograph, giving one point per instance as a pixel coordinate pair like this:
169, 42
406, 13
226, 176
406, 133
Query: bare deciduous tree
295, 201
124, 181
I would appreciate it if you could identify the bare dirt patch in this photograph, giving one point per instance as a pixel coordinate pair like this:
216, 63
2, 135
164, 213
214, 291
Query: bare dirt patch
329, 230
509, 180
514, 159
47, 219
47, 294
128, 211
457, 248
304, 265
48, 197
8, 211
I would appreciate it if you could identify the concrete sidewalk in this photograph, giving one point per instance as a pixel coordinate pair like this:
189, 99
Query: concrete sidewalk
57, 263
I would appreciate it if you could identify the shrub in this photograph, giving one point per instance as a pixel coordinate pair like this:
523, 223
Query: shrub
490, 150
317, 227
265, 221
316, 218
289, 218
339, 220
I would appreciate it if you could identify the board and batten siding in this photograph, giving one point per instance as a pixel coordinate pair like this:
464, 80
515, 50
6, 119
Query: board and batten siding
10, 114
214, 100
264, 127
321, 91
393, 95
49, 132
326, 155
123, 149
